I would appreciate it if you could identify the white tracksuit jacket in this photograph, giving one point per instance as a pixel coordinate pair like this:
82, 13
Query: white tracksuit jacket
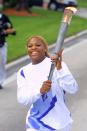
46, 112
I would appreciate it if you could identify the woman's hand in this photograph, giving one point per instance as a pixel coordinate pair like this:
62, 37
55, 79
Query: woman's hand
45, 87
57, 58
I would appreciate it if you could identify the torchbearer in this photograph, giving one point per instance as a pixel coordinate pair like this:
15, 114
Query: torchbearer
44, 97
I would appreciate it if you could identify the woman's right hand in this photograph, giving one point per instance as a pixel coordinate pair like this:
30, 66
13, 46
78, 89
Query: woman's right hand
45, 87
57, 58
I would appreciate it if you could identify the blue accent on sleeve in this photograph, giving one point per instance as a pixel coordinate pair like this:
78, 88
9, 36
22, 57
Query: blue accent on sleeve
22, 73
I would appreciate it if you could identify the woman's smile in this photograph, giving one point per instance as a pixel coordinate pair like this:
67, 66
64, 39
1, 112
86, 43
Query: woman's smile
34, 53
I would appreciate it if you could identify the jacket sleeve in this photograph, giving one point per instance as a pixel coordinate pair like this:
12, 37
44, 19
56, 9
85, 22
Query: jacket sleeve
25, 94
66, 80
8, 21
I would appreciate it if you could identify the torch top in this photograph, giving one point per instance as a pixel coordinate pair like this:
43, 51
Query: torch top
73, 9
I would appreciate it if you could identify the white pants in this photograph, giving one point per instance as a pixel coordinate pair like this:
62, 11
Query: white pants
3, 60
67, 128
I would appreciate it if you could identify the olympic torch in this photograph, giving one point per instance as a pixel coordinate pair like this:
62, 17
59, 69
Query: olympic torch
67, 16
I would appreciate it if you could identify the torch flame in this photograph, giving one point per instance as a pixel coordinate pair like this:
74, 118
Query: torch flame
68, 12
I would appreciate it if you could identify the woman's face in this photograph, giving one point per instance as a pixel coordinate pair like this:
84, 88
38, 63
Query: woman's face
36, 50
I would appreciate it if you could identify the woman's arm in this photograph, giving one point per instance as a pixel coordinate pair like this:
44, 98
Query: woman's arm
66, 80
25, 94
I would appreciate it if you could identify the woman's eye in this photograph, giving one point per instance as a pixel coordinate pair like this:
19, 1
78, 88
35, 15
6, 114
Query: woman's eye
29, 46
38, 45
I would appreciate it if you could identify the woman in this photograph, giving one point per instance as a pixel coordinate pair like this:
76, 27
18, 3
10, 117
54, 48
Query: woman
47, 108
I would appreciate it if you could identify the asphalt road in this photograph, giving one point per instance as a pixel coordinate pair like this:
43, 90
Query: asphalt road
12, 114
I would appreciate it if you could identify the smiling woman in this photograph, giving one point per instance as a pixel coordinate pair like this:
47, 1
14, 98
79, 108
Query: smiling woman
37, 49
45, 98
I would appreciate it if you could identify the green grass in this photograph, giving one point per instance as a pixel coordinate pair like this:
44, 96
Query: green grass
82, 3
46, 24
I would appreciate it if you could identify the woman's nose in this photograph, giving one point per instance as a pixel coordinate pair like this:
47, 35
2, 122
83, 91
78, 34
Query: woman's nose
33, 47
